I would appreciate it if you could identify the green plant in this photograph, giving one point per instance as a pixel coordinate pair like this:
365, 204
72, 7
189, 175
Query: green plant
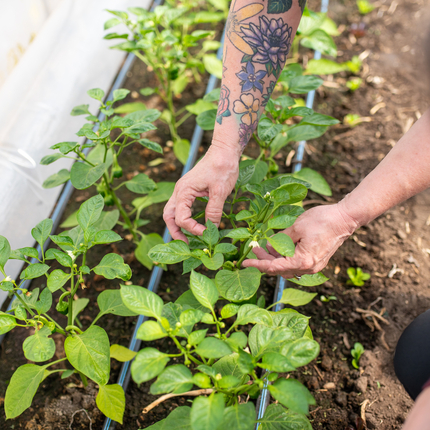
365, 7
102, 168
88, 352
354, 83
352, 119
166, 42
356, 353
357, 276
325, 299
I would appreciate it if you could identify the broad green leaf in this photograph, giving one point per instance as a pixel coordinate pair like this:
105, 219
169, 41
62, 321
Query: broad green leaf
319, 119
191, 264
291, 319
89, 353
213, 65
49, 159
188, 301
229, 310
211, 234
78, 306
277, 417
22, 388
56, 179
212, 263
239, 234
34, 271
253, 314
42, 231
170, 253
276, 362
237, 340
196, 337
264, 339
203, 289
304, 84
39, 347
305, 132
239, 417
130, 107
292, 394
206, 120
110, 301
153, 146
141, 184
294, 297
148, 364
121, 353
107, 220
83, 175
45, 301
301, 351
319, 40
282, 243
150, 330
261, 168
177, 379
7, 323
90, 212
267, 130
199, 106
207, 412
147, 242
106, 236
112, 266
190, 317
96, 93
181, 149
289, 193
179, 419
172, 313
120, 94
245, 174
111, 401
142, 301
212, 347
310, 280
5, 251
228, 365
281, 222
318, 183
163, 192
245, 362
238, 285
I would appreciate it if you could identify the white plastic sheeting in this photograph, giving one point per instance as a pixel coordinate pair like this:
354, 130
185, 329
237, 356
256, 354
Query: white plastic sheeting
68, 57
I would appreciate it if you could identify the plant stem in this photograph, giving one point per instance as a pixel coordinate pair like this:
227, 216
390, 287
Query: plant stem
238, 264
18, 296
70, 309
60, 329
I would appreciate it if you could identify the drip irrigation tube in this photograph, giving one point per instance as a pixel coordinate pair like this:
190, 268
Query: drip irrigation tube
264, 399
154, 280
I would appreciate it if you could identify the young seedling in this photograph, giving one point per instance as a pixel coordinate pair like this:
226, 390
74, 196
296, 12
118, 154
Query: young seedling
357, 277
87, 351
356, 353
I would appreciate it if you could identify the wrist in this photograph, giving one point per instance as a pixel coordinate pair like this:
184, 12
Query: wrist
349, 221
226, 148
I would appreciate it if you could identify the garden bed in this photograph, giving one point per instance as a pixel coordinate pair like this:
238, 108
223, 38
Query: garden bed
343, 156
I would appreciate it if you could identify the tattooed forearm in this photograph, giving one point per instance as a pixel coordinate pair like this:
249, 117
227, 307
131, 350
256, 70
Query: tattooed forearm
255, 53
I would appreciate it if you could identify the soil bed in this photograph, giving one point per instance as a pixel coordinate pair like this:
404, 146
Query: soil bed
343, 156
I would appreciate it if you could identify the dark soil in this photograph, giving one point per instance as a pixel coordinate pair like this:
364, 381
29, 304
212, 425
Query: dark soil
391, 75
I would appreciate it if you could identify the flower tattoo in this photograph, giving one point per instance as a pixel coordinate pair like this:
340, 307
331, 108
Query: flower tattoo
233, 29
271, 43
245, 133
223, 104
248, 108
251, 80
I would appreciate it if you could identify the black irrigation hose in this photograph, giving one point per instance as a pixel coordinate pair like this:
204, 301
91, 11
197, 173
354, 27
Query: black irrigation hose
264, 398
124, 377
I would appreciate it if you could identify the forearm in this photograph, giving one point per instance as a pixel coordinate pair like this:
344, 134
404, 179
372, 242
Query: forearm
258, 39
403, 173
419, 418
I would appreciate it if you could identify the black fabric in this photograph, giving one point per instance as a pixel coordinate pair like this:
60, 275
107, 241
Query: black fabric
412, 357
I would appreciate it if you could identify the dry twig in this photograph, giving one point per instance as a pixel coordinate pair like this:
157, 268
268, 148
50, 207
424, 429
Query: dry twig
86, 413
169, 396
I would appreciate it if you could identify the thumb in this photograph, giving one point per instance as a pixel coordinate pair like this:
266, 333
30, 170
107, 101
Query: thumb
215, 206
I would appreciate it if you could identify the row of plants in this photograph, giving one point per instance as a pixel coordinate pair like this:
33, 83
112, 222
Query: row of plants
222, 328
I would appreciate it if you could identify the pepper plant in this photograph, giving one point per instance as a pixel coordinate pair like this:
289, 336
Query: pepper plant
239, 344
87, 352
166, 41
101, 167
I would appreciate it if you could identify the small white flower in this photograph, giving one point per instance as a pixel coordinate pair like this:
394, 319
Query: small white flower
267, 195
7, 279
254, 244
206, 251
71, 255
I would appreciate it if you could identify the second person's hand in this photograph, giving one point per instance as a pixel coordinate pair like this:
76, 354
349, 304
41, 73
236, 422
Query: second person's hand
317, 233
215, 177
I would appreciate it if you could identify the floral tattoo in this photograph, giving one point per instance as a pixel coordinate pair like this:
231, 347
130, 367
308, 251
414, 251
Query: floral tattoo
223, 105
271, 42
251, 80
247, 106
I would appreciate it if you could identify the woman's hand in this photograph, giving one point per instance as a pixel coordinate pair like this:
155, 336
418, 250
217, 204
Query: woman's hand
215, 177
317, 233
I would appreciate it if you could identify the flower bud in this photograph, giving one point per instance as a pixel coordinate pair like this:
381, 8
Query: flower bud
178, 324
7, 279
218, 376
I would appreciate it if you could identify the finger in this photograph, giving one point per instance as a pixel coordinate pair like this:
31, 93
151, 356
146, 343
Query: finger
215, 206
262, 254
272, 251
293, 233
183, 214
169, 219
262, 265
